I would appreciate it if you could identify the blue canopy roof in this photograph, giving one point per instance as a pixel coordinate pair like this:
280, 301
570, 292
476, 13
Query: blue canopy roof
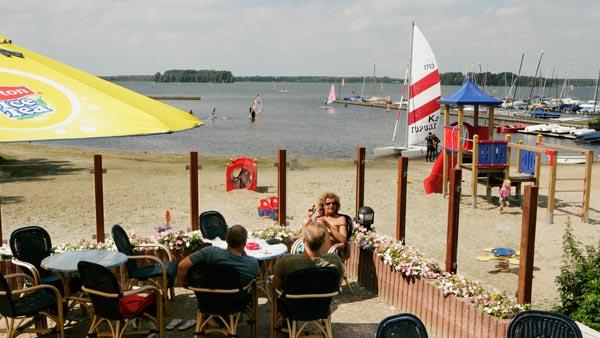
470, 94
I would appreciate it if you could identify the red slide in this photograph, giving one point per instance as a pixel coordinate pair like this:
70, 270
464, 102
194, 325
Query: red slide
433, 183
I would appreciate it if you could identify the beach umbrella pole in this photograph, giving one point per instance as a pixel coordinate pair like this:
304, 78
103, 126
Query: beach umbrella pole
453, 213
99, 198
528, 225
281, 186
194, 210
401, 199
360, 178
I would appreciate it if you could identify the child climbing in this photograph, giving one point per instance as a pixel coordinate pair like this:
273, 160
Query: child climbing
504, 193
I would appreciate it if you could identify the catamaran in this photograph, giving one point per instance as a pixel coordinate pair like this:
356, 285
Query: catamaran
423, 90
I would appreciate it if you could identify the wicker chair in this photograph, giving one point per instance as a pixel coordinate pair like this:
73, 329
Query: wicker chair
533, 324
220, 296
212, 225
305, 298
29, 246
113, 305
34, 302
343, 249
403, 325
165, 272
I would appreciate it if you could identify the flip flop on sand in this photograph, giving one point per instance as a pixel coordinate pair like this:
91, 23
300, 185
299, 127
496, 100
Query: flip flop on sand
173, 324
187, 325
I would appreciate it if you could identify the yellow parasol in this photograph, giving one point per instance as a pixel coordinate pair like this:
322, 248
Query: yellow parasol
42, 99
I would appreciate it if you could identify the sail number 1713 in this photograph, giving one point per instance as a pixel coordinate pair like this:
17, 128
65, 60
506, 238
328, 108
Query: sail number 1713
429, 66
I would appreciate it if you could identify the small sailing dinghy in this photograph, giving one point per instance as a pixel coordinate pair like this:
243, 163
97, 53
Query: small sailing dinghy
423, 93
330, 98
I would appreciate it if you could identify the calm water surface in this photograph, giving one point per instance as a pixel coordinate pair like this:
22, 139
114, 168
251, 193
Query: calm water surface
293, 120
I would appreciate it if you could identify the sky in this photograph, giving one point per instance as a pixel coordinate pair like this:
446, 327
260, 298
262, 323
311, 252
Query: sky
307, 37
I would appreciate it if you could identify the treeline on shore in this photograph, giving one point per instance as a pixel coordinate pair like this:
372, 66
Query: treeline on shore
450, 78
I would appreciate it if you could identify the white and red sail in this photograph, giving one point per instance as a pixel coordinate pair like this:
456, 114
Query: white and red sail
424, 91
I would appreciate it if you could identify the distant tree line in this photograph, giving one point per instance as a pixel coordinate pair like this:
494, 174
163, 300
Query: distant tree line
450, 78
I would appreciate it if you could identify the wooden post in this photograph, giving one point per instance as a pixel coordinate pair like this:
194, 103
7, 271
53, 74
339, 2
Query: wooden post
518, 164
476, 117
461, 115
474, 173
194, 211
453, 213
445, 154
587, 186
538, 159
508, 138
528, 225
552, 187
491, 121
360, 178
281, 186
401, 199
99, 198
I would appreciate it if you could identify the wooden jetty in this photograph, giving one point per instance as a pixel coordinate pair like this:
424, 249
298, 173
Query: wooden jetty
565, 136
186, 98
499, 117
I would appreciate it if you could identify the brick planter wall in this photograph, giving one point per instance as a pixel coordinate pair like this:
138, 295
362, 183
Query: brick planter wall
444, 316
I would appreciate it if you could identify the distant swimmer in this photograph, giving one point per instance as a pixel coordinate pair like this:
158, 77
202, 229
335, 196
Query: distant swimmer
213, 117
191, 112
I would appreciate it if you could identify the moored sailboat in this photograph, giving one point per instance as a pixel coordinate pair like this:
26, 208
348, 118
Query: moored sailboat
423, 92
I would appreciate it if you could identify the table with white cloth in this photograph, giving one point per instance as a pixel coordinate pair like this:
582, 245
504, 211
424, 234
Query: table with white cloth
266, 254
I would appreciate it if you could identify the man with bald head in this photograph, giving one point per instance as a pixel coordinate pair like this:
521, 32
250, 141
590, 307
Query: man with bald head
314, 237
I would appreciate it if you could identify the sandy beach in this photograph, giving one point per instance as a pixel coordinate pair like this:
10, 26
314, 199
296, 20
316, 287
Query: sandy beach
53, 187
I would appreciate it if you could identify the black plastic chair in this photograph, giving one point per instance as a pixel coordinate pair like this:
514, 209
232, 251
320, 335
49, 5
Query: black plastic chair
220, 296
403, 325
212, 225
121, 307
33, 302
165, 272
29, 246
305, 298
534, 324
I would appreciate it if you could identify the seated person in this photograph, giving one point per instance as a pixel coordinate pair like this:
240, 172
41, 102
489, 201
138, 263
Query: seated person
234, 256
314, 237
327, 213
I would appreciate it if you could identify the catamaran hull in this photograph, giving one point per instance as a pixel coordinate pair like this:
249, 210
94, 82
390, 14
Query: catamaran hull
391, 151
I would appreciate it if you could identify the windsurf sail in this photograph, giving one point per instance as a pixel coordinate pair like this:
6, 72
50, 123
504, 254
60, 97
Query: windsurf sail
424, 90
331, 96
257, 104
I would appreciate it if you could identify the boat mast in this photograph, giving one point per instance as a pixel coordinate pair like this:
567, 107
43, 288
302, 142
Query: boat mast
374, 77
596, 93
562, 91
408, 83
516, 83
535, 78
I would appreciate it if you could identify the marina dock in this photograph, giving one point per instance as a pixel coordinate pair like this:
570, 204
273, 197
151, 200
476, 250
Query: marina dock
500, 116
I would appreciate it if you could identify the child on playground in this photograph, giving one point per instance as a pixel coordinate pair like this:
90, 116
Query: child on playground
504, 193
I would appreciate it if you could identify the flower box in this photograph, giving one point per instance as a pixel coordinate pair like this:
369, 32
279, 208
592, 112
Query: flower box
443, 315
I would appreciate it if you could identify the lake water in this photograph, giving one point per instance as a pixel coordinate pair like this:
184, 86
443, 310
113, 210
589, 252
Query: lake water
292, 120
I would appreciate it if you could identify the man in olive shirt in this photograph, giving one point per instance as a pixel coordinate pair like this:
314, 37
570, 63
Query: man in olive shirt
234, 256
314, 237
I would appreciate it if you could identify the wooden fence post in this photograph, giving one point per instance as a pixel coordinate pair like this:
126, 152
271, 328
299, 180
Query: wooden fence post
360, 178
281, 186
99, 198
528, 225
453, 213
401, 199
194, 207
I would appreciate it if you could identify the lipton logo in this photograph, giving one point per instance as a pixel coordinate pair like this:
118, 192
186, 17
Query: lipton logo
11, 93
22, 103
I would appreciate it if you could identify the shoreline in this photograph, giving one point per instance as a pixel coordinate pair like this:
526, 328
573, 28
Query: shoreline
52, 187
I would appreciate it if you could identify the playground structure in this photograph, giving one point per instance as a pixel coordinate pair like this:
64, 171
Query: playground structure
473, 148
